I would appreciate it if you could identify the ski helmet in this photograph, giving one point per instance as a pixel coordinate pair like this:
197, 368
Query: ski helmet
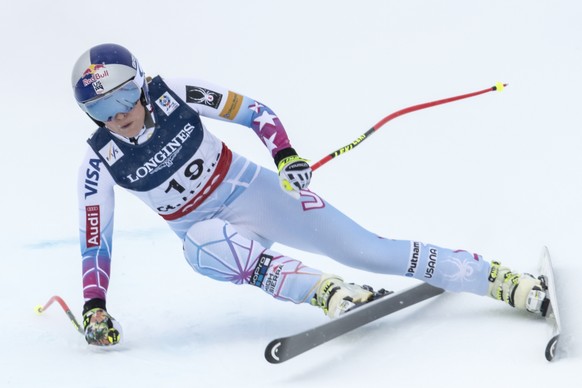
107, 79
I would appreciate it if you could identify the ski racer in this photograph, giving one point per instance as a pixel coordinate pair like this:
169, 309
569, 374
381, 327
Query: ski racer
226, 210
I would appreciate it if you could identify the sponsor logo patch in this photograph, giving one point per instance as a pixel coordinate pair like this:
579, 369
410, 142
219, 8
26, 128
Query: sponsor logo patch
111, 153
273, 279
92, 177
92, 226
167, 103
232, 106
93, 76
98, 87
258, 276
164, 157
198, 95
433, 254
413, 260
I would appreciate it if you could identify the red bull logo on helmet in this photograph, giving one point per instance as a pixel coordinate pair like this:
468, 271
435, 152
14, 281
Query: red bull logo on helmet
94, 72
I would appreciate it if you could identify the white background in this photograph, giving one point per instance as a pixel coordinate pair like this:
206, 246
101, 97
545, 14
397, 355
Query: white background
498, 174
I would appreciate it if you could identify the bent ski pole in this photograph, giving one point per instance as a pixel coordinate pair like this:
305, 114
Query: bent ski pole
40, 309
498, 86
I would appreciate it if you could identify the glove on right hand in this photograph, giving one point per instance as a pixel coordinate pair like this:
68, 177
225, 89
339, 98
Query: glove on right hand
100, 328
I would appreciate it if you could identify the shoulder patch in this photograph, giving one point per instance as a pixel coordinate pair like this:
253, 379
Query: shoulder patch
232, 106
198, 95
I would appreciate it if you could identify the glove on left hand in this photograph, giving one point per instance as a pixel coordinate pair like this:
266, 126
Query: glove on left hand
294, 174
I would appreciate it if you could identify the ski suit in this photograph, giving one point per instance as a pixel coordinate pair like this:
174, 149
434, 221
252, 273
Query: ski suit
228, 211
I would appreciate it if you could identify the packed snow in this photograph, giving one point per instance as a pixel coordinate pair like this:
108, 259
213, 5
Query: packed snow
497, 174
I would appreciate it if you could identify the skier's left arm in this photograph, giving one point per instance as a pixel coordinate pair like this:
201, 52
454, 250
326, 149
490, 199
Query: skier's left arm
219, 103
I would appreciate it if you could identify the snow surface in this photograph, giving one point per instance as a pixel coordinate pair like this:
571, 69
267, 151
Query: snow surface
498, 174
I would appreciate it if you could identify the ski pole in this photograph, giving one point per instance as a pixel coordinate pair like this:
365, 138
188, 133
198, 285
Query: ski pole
498, 86
40, 309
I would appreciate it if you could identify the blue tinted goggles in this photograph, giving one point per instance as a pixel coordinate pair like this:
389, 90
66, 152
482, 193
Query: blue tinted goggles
120, 100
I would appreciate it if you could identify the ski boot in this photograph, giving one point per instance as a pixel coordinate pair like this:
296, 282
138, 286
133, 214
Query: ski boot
522, 291
336, 297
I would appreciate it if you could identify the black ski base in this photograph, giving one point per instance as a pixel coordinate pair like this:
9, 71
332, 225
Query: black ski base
285, 348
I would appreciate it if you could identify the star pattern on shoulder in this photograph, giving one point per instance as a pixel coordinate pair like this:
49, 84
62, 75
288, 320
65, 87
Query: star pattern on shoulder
256, 107
264, 119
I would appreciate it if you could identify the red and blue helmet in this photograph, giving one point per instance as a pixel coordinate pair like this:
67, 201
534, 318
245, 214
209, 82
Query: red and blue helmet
107, 79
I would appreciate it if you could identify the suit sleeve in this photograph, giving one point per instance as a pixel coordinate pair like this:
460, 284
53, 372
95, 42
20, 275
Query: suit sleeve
96, 208
219, 103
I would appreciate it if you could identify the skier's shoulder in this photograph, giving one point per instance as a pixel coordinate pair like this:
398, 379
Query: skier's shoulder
92, 171
195, 90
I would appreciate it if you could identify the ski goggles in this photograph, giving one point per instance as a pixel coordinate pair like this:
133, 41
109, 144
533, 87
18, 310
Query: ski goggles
120, 100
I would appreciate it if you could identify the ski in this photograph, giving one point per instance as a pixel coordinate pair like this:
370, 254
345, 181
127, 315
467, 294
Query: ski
285, 348
550, 306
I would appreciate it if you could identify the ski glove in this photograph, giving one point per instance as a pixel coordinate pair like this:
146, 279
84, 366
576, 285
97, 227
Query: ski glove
101, 329
294, 174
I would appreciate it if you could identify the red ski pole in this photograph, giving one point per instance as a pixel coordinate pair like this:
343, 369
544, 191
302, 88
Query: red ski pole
40, 309
498, 86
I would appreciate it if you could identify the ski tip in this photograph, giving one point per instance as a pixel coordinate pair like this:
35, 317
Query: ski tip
38, 309
551, 348
272, 352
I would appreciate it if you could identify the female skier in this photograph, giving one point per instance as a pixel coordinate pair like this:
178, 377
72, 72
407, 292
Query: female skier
227, 210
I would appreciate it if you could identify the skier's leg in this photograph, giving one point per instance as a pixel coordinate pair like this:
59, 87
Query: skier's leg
215, 249
314, 225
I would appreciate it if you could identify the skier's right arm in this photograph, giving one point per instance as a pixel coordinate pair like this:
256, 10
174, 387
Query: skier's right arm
96, 207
